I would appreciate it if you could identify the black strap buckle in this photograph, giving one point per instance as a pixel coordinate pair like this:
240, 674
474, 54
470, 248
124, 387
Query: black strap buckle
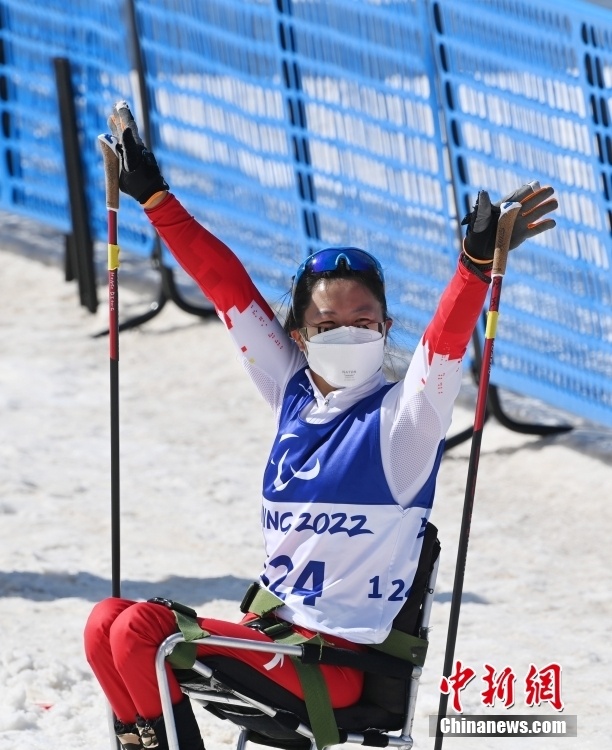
176, 606
247, 599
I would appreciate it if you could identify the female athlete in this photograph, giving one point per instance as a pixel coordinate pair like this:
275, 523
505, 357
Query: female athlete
350, 481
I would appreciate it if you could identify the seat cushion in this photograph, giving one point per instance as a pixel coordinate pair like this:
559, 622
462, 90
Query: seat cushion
251, 683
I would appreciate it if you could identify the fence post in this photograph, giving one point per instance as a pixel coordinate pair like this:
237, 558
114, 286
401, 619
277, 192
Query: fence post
294, 98
79, 245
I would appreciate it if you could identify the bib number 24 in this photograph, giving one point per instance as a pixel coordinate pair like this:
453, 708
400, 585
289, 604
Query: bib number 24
308, 584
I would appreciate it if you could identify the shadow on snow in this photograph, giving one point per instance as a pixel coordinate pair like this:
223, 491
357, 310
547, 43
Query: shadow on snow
44, 587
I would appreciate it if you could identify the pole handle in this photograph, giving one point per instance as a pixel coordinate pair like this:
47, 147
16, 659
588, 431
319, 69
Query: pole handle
507, 217
111, 170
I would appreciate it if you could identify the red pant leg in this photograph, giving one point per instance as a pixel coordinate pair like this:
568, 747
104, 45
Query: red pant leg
135, 637
100, 656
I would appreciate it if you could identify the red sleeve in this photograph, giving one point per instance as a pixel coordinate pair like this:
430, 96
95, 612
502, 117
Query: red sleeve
209, 262
454, 321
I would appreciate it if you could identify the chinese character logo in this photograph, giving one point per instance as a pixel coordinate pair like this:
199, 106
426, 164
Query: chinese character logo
456, 682
544, 686
541, 686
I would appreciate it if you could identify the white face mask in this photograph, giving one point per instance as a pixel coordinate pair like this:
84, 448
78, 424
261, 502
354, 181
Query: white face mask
346, 356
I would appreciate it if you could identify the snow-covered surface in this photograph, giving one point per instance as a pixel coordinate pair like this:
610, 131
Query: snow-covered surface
194, 441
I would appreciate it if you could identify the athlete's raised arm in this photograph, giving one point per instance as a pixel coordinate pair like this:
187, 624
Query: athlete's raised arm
433, 380
265, 349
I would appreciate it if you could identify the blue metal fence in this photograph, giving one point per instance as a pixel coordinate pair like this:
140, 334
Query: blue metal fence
535, 105
219, 127
288, 125
92, 36
311, 123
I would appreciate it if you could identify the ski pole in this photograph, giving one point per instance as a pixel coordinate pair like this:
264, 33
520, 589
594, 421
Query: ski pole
507, 216
111, 174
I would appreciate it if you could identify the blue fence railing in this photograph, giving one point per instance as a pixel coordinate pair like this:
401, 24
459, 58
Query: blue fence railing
538, 103
285, 126
32, 173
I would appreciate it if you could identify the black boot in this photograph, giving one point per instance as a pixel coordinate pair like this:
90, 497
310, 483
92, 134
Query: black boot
128, 736
153, 732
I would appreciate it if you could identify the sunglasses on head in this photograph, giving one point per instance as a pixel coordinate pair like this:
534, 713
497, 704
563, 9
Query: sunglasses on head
330, 258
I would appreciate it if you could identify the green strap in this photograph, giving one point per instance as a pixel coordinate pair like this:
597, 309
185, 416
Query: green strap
404, 646
316, 695
318, 704
397, 643
184, 654
264, 602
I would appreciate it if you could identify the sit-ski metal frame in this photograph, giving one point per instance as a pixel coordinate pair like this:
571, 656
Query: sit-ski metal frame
218, 693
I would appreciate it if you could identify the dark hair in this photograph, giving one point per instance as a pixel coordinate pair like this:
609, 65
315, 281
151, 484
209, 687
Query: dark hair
302, 292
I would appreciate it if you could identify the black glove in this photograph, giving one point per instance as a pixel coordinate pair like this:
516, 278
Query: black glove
139, 175
479, 241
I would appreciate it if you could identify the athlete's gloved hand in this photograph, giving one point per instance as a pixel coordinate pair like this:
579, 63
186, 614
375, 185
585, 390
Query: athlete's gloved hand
479, 242
139, 175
